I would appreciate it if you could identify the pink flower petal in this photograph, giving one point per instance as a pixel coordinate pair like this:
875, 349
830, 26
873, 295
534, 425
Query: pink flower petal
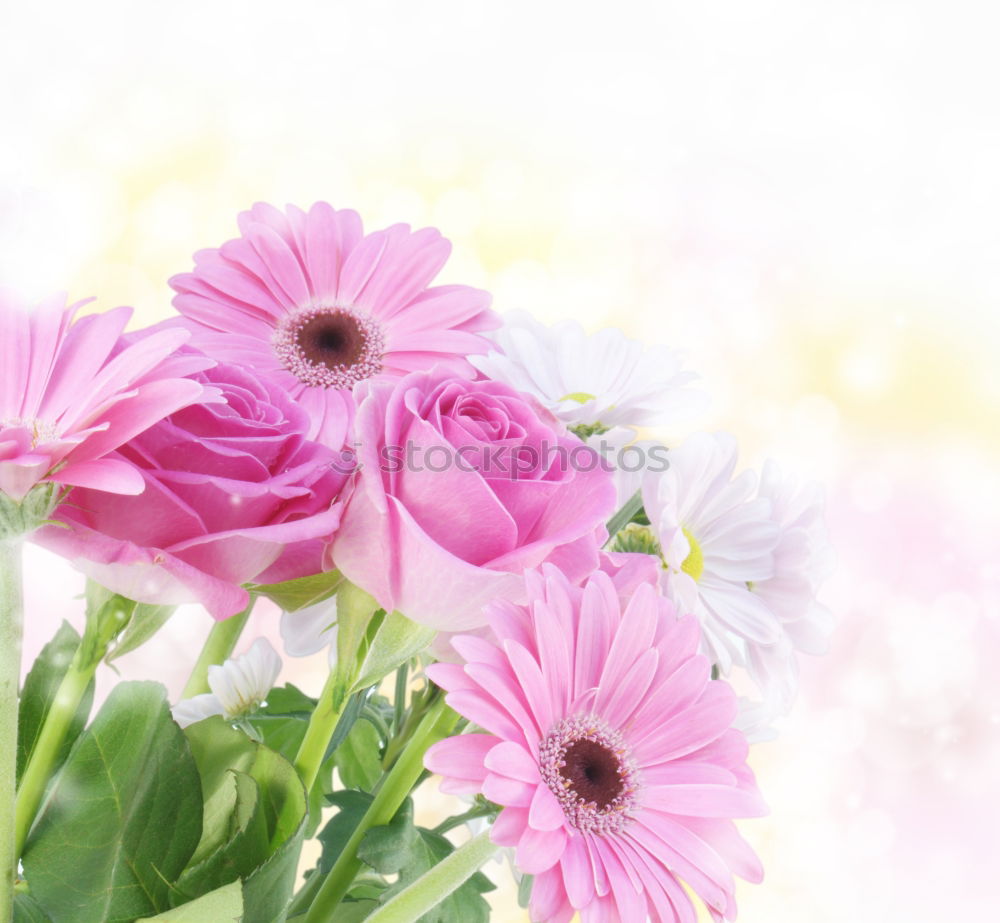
509, 826
506, 791
461, 756
512, 760
539, 850
545, 812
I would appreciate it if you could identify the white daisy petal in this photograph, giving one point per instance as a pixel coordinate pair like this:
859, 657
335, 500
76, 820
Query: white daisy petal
243, 682
716, 538
602, 379
190, 711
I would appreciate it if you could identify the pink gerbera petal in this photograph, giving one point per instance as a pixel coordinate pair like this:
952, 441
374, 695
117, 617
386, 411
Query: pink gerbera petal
330, 306
616, 797
72, 391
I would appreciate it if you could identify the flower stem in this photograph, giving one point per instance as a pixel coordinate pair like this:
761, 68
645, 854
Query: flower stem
322, 723
474, 813
11, 614
419, 705
437, 724
57, 722
355, 609
437, 882
218, 646
625, 515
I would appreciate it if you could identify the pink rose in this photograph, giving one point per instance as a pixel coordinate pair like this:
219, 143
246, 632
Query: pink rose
463, 486
234, 492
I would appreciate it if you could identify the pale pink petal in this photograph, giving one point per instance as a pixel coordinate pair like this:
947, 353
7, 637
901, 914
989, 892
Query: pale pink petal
509, 826
108, 474
461, 756
545, 812
539, 850
512, 760
506, 791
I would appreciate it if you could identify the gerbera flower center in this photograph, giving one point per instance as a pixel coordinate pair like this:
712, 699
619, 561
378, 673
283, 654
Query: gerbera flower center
587, 766
330, 346
694, 563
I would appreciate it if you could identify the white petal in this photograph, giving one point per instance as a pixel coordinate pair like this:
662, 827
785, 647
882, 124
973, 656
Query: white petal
243, 682
197, 708
582, 378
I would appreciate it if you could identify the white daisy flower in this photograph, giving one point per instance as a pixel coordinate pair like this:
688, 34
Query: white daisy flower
803, 559
716, 539
308, 630
600, 380
239, 686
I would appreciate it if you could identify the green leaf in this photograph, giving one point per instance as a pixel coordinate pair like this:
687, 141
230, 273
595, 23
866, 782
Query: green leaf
243, 848
146, 621
390, 849
40, 687
338, 830
28, 910
282, 722
221, 751
123, 817
219, 906
396, 641
288, 700
219, 748
228, 811
358, 758
291, 595
401, 848
268, 892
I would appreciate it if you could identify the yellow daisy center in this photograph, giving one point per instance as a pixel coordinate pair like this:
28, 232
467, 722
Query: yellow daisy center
694, 563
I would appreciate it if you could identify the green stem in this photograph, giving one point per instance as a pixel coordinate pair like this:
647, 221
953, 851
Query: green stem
436, 725
474, 813
218, 646
322, 723
54, 728
399, 699
11, 614
437, 882
419, 705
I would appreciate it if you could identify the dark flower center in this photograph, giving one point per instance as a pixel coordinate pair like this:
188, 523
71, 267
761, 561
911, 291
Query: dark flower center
331, 339
330, 347
593, 772
587, 765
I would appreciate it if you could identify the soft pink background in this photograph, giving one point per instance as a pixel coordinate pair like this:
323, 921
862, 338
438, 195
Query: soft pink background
802, 194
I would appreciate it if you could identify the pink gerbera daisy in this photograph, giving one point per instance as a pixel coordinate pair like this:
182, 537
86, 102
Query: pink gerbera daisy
610, 749
73, 391
311, 298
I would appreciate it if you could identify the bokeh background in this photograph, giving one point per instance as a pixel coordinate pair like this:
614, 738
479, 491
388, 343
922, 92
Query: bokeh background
801, 194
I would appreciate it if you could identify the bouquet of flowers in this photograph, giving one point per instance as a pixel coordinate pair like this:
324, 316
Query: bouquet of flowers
517, 592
